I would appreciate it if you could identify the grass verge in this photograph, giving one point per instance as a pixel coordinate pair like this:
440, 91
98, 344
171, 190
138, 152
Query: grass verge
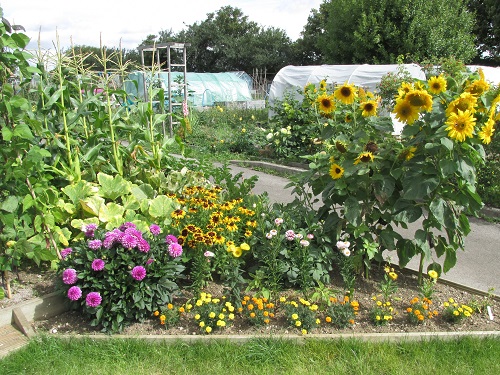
48, 355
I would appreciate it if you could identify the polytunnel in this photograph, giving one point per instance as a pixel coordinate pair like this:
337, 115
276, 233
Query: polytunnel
205, 89
291, 79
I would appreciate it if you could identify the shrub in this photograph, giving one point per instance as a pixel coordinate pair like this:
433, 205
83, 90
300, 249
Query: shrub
120, 276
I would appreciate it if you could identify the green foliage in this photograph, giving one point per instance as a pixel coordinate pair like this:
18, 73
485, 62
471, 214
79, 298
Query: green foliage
377, 31
341, 313
212, 313
486, 30
130, 274
454, 312
303, 315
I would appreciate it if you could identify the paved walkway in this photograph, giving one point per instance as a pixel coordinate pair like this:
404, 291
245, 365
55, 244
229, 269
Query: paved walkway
477, 267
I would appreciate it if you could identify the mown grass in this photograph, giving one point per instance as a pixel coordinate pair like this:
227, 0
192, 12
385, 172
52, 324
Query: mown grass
49, 355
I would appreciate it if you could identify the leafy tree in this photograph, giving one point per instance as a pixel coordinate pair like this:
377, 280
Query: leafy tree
377, 31
305, 51
487, 30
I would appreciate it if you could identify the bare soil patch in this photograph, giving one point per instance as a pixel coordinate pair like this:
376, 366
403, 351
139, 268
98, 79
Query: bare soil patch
34, 282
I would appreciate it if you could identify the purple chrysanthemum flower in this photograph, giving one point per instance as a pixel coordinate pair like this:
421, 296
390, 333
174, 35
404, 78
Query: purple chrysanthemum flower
128, 241
98, 264
170, 239
149, 261
74, 293
66, 252
143, 245
175, 250
127, 225
89, 229
95, 244
110, 238
69, 276
93, 299
138, 273
155, 229
133, 232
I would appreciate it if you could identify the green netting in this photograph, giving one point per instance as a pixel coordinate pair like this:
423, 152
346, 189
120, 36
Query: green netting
205, 89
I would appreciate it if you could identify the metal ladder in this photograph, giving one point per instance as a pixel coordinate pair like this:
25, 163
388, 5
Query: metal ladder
169, 69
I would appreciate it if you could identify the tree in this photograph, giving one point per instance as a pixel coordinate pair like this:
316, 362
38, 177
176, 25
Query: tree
487, 30
305, 51
377, 31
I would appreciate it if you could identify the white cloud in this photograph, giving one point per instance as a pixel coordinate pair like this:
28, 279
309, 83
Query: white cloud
85, 22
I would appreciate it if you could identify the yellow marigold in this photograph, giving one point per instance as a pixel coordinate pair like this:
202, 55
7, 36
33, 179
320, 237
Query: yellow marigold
298, 323
433, 274
156, 313
208, 329
328, 319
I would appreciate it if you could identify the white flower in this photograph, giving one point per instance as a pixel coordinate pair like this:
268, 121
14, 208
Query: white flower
278, 221
343, 245
310, 236
269, 136
273, 232
346, 252
299, 236
208, 254
304, 243
269, 236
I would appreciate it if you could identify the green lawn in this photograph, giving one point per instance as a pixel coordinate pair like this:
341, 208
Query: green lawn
47, 355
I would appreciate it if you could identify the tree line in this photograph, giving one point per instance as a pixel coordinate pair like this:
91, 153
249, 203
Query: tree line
339, 32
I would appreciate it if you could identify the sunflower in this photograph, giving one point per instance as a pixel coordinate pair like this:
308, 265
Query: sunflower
478, 87
405, 112
326, 103
336, 171
437, 85
420, 99
465, 102
369, 108
364, 157
408, 153
487, 131
322, 85
346, 93
461, 125
404, 89
341, 146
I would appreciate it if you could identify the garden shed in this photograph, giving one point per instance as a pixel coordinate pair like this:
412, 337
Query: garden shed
205, 89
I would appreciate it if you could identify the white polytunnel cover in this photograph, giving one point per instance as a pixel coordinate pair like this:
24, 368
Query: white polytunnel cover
204, 89
292, 78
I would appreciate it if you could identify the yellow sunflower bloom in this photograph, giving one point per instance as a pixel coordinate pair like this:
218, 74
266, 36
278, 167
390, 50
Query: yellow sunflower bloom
478, 87
336, 171
326, 103
460, 125
420, 99
465, 102
364, 157
437, 85
486, 132
405, 112
322, 85
369, 108
345, 93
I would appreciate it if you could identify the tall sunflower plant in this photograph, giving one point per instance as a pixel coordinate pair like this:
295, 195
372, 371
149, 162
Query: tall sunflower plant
368, 182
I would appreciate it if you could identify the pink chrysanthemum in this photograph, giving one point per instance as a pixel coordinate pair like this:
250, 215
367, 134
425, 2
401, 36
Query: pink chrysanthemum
127, 225
95, 244
290, 235
66, 252
170, 239
155, 229
110, 238
138, 273
149, 261
128, 241
98, 265
89, 230
175, 250
69, 276
93, 299
143, 245
74, 293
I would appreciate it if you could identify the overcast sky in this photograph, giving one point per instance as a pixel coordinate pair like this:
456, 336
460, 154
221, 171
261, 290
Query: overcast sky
86, 21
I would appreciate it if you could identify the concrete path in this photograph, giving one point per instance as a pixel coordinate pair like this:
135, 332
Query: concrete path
477, 267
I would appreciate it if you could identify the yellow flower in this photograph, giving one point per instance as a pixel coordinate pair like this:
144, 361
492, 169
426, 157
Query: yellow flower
460, 125
405, 112
156, 313
326, 103
345, 93
478, 87
437, 85
295, 316
237, 252
486, 132
328, 319
322, 85
465, 102
208, 329
432, 274
336, 171
393, 275
364, 157
202, 324
211, 315
368, 108
245, 246
304, 331
298, 323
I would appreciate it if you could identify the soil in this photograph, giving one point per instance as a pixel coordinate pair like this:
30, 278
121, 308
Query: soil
34, 282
